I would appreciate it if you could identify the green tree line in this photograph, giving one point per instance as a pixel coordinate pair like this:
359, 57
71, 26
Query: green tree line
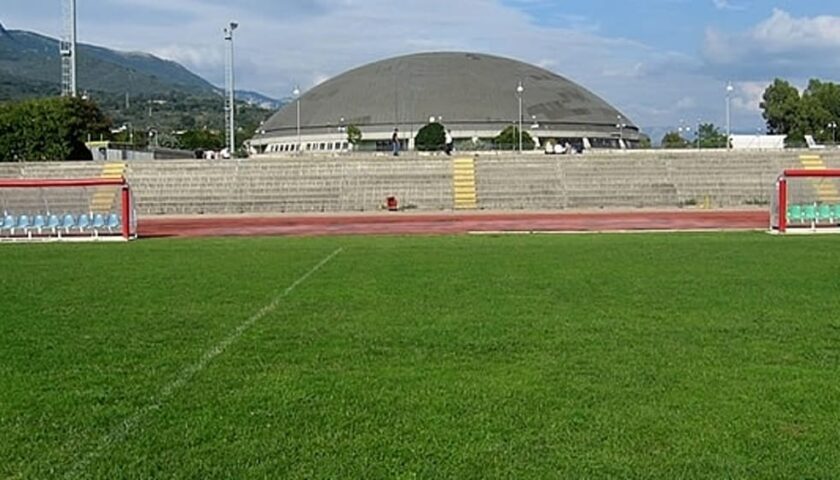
49, 129
708, 136
815, 111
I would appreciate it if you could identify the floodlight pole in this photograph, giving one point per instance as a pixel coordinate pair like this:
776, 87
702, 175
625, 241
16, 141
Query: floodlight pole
729, 90
231, 106
296, 93
519, 90
67, 50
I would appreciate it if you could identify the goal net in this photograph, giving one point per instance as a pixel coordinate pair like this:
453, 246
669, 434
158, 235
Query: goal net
71, 210
806, 201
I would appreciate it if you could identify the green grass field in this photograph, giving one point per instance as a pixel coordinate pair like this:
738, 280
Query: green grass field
635, 356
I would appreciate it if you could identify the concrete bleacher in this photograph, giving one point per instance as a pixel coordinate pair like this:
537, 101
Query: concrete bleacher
649, 179
296, 185
530, 183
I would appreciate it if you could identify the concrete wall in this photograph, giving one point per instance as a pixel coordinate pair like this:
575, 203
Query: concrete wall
630, 179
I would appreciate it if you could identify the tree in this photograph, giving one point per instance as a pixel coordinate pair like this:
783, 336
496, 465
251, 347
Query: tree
780, 103
711, 136
50, 129
508, 139
354, 135
644, 142
202, 139
673, 140
789, 113
430, 138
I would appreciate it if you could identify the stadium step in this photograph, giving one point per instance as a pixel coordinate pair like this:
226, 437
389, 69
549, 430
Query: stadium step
827, 191
463, 184
103, 197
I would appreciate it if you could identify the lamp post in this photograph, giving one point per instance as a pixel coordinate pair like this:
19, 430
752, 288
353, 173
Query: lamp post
699, 134
833, 127
729, 90
620, 125
231, 130
519, 90
296, 93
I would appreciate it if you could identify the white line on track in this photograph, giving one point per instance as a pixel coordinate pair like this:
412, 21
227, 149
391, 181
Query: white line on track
121, 431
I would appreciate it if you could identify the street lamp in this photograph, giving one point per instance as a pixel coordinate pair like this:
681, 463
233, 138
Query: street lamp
833, 127
699, 134
729, 90
519, 90
231, 130
296, 93
620, 125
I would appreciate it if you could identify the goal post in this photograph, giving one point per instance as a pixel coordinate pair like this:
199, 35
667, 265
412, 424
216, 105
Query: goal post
806, 201
66, 209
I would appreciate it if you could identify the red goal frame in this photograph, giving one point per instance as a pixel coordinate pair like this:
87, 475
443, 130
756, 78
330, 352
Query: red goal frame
779, 221
128, 220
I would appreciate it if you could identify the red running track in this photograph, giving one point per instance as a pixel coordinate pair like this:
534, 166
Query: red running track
398, 223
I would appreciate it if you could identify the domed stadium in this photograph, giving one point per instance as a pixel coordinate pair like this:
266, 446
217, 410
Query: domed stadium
473, 95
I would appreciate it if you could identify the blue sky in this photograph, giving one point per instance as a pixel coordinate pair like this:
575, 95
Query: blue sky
662, 62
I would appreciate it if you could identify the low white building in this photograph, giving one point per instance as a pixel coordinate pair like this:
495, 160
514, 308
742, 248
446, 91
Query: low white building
757, 142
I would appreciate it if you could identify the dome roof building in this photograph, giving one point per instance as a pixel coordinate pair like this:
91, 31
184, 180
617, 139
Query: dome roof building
473, 95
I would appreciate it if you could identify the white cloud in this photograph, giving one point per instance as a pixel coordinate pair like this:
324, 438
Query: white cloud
686, 103
748, 96
726, 5
781, 42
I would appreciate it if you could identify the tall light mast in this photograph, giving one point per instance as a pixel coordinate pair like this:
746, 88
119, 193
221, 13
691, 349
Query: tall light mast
230, 105
67, 47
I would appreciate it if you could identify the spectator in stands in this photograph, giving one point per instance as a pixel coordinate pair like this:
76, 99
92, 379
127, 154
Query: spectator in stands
450, 142
395, 142
549, 148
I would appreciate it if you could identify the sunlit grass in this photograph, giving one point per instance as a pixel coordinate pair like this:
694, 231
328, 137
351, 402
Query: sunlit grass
646, 356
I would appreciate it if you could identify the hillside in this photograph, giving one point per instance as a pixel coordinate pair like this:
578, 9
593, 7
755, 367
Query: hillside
136, 89
34, 59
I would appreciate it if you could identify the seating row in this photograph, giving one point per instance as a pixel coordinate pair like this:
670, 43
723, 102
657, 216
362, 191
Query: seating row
57, 224
813, 213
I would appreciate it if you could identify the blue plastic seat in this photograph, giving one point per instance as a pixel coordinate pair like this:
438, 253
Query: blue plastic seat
794, 213
113, 222
9, 222
84, 222
824, 213
53, 223
39, 222
68, 222
809, 213
98, 222
23, 223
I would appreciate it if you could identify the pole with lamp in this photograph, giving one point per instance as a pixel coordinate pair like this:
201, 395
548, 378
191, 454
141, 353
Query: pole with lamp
519, 90
699, 134
231, 130
296, 93
729, 90
685, 131
833, 127
620, 125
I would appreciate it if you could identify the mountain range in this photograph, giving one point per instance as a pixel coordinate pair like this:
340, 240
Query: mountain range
30, 65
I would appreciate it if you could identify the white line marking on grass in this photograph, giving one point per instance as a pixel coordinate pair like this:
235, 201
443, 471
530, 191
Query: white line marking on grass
121, 431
